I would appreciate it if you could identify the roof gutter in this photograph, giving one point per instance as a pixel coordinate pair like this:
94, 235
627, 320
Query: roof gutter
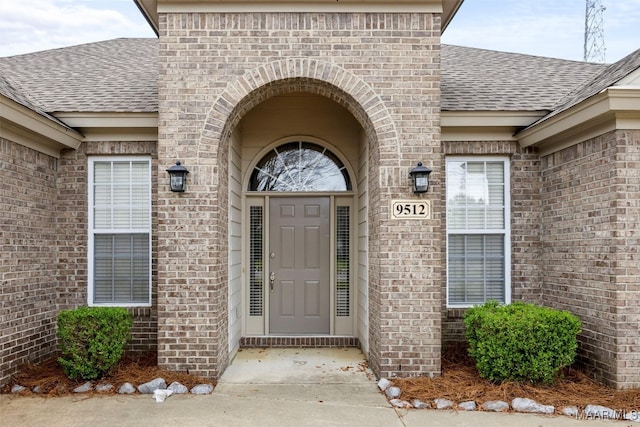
31, 129
614, 108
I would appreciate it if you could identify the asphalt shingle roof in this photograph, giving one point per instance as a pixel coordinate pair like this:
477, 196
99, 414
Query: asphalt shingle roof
9, 90
118, 75
611, 75
121, 75
486, 80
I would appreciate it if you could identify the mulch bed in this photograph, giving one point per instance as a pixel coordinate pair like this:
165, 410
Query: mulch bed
136, 369
460, 382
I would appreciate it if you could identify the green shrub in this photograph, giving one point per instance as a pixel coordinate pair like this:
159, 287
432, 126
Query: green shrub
521, 342
92, 340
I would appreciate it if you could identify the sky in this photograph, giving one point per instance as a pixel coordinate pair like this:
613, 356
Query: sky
553, 28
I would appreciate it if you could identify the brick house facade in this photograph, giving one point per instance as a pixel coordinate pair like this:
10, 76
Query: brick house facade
228, 89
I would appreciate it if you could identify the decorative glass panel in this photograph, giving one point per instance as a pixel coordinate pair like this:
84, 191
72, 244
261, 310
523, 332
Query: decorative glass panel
300, 166
343, 269
256, 257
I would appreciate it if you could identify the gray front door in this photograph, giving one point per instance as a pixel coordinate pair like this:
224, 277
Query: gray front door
299, 265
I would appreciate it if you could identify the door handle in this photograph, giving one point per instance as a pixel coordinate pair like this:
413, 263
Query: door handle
272, 280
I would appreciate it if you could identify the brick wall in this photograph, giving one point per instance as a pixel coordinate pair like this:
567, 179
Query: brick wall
71, 222
627, 264
574, 247
44, 249
384, 68
591, 206
526, 214
27, 257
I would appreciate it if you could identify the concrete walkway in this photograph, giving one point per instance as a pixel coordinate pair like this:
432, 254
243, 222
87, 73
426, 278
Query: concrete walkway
275, 387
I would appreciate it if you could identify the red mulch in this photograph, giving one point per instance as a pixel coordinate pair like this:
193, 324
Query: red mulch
133, 368
460, 382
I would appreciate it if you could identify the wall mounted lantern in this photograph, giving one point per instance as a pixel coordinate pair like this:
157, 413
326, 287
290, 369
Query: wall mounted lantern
420, 175
178, 177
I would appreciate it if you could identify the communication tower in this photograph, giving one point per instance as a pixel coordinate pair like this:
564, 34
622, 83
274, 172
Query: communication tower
594, 50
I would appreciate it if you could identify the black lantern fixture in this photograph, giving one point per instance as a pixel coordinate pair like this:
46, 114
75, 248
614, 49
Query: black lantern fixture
178, 177
420, 175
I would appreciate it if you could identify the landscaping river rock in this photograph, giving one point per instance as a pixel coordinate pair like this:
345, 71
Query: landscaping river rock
519, 404
156, 387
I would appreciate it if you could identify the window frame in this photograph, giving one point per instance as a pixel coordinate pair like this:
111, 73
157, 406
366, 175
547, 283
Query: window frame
293, 146
505, 231
92, 231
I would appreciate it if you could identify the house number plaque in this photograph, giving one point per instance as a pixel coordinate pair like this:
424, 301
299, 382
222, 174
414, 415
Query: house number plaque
403, 209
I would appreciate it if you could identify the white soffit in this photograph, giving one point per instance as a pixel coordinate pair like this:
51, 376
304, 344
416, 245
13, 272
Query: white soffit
434, 6
151, 8
485, 125
113, 126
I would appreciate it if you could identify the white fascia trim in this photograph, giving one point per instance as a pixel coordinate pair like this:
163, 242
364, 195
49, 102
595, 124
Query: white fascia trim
149, 9
448, 8
613, 108
109, 119
485, 125
113, 126
345, 6
31, 129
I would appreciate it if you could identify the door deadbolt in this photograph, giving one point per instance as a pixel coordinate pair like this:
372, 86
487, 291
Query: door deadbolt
272, 280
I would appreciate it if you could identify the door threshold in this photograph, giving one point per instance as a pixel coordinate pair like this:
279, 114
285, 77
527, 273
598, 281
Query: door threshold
299, 341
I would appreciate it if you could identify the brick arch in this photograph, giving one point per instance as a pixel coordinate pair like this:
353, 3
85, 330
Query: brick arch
299, 75
262, 83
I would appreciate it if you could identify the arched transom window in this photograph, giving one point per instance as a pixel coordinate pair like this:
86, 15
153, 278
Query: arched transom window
300, 166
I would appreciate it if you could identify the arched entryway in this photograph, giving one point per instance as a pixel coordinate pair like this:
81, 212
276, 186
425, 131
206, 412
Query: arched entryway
209, 119
300, 244
307, 101
242, 122
296, 157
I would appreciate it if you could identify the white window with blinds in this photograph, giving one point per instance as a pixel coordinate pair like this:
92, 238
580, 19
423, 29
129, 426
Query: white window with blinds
119, 231
478, 232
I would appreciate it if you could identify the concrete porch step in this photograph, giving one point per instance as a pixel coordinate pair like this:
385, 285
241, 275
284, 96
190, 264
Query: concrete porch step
298, 366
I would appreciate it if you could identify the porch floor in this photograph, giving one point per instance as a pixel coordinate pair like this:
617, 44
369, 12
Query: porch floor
338, 365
